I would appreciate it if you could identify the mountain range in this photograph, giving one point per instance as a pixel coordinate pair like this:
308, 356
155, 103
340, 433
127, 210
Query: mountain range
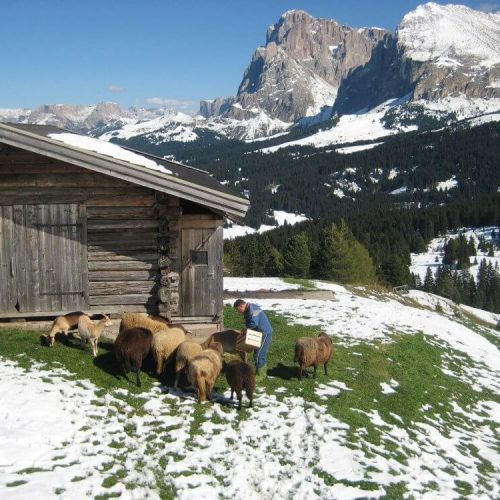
443, 62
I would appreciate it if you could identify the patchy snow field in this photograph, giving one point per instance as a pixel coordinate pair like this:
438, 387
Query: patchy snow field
66, 438
435, 251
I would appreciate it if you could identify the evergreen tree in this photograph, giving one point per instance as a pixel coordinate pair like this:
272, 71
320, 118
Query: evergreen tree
343, 258
428, 285
297, 258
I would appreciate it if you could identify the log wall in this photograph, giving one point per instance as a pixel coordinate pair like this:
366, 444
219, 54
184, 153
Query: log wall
132, 232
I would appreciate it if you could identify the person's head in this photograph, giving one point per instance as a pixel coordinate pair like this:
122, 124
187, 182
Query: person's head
240, 305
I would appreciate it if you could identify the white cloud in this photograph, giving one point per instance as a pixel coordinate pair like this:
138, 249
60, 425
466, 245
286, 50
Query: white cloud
177, 104
489, 6
116, 89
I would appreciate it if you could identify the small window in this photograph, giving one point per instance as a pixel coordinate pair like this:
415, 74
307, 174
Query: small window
199, 257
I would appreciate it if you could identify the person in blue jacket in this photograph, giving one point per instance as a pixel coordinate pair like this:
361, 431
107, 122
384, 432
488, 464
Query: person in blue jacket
256, 319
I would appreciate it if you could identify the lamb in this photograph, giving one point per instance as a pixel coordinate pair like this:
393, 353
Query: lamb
164, 345
89, 330
313, 352
187, 350
239, 376
131, 347
62, 324
204, 369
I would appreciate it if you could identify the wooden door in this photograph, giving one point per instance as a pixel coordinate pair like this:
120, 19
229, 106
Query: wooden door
201, 278
43, 258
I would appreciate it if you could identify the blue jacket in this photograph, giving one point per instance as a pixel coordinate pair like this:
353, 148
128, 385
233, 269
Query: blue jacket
256, 319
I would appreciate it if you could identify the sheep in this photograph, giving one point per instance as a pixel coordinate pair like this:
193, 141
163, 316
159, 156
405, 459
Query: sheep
89, 330
164, 345
239, 376
131, 347
313, 351
153, 323
187, 350
62, 324
204, 368
132, 320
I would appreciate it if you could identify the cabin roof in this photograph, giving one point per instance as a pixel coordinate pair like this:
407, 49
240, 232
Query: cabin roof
117, 161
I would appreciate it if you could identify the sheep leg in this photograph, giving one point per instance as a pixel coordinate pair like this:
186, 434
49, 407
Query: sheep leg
232, 393
250, 397
137, 378
240, 397
176, 380
314, 374
300, 372
94, 347
326, 372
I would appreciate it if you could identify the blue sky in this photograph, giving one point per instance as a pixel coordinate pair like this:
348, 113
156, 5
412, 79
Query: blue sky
151, 52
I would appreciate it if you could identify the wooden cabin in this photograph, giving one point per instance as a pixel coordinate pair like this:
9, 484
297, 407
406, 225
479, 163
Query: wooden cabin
88, 225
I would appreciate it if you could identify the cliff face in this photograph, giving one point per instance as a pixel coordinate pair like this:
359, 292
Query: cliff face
300, 68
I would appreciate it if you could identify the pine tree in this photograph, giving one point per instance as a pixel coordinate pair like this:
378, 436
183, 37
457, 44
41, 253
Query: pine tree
297, 258
428, 285
343, 258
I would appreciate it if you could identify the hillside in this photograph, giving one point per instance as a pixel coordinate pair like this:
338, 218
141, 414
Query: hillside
409, 408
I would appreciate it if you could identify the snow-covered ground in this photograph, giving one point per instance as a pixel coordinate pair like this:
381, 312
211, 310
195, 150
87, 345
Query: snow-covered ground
63, 438
433, 257
280, 216
366, 126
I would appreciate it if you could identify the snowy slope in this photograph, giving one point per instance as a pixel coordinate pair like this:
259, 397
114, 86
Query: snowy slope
65, 438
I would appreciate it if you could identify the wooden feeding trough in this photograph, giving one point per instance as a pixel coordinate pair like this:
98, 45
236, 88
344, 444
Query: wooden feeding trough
241, 342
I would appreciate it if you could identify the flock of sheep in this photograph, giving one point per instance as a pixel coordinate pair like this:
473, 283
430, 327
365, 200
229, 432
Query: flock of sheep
139, 335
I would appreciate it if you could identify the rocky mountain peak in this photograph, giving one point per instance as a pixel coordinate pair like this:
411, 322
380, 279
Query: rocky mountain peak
298, 72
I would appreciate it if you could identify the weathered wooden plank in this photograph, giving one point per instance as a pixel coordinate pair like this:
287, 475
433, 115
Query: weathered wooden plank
118, 213
122, 256
110, 239
87, 180
120, 299
115, 225
123, 246
97, 192
149, 275
73, 196
124, 265
82, 219
202, 224
24, 167
8, 282
121, 287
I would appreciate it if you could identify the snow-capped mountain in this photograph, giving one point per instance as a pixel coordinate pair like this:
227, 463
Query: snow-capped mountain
439, 56
442, 62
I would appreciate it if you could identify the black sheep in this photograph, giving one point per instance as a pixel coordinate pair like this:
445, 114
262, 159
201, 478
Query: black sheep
239, 376
132, 345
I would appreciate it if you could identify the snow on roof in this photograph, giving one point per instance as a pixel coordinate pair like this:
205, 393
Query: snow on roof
108, 149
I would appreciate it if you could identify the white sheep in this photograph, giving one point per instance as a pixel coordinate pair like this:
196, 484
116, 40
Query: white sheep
164, 345
89, 330
187, 350
204, 369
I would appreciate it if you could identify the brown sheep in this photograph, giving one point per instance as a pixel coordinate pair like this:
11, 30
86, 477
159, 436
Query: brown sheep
62, 324
313, 352
131, 348
239, 376
204, 369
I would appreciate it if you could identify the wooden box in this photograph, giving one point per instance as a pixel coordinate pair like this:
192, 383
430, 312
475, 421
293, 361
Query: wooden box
248, 340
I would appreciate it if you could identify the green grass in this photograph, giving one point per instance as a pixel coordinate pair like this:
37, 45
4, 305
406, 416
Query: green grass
412, 360
304, 283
